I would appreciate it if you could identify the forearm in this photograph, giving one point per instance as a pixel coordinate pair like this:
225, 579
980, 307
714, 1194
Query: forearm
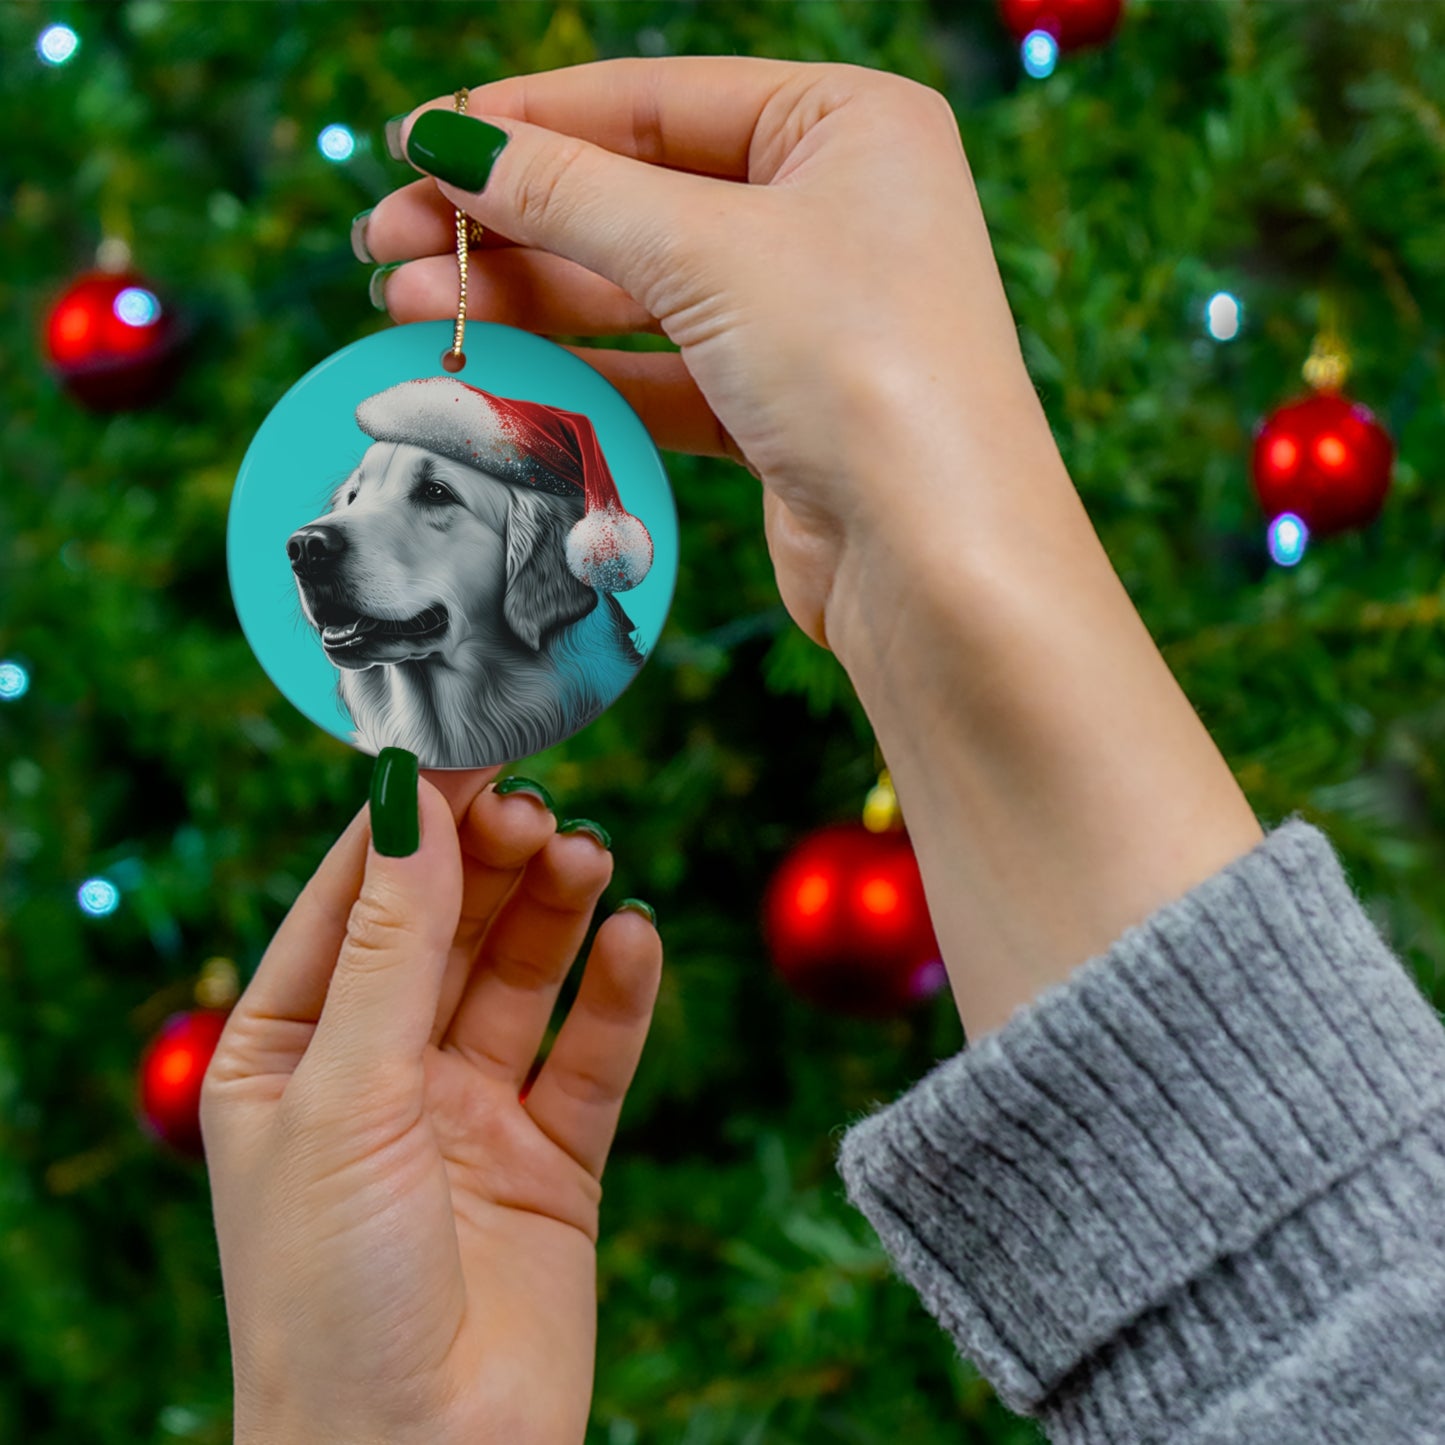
1057, 784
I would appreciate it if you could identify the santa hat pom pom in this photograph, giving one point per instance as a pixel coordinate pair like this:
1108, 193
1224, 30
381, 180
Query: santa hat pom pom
610, 549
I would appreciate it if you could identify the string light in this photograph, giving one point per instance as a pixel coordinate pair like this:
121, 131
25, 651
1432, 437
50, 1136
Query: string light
137, 307
98, 897
1040, 52
1223, 316
14, 681
336, 143
1288, 537
57, 44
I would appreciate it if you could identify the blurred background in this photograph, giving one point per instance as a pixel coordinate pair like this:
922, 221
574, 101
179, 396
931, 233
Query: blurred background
1188, 207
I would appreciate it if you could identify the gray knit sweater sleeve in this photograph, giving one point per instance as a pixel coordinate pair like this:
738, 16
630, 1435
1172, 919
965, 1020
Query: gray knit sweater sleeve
1195, 1193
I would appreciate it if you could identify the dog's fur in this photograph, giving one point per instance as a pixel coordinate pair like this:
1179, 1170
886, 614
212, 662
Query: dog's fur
528, 655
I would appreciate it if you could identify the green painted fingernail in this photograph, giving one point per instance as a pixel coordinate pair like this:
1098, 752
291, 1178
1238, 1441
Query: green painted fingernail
526, 785
392, 132
455, 148
359, 248
636, 905
395, 812
586, 825
376, 288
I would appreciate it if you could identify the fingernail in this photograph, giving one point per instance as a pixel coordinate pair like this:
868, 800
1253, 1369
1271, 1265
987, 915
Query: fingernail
636, 905
393, 137
395, 820
586, 825
455, 148
527, 786
376, 287
359, 247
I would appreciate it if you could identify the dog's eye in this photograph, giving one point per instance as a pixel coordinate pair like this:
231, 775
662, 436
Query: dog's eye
350, 499
435, 492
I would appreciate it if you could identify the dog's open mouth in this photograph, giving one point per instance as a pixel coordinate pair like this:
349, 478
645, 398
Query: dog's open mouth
344, 629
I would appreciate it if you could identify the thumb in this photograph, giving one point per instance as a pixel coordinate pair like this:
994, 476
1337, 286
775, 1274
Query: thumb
625, 220
382, 999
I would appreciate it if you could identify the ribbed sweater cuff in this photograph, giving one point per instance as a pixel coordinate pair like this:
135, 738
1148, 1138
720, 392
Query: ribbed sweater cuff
1148, 1155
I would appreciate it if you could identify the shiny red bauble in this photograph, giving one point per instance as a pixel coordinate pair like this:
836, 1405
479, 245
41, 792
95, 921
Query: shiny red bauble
1073, 23
112, 341
172, 1070
1324, 458
847, 924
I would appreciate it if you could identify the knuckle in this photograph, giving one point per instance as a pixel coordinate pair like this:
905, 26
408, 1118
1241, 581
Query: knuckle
924, 101
521, 971
373, 933
542, 188
587, 1086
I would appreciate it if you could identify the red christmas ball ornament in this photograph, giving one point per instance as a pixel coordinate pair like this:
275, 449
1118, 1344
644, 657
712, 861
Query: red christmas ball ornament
112, 341
1073, 23
1324, 458
847, 923
171, 1072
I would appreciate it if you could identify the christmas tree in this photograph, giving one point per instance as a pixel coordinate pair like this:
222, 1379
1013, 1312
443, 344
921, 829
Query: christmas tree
1212, 161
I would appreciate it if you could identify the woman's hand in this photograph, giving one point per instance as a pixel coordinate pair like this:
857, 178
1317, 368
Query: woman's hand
810, 237
840, 317
408, 1246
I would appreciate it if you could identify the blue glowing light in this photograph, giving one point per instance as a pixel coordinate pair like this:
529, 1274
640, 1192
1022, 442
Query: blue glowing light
98, 897
1288, 537
1040, 53
1223, 316
57, 44
336, 143
137, 307
14, 681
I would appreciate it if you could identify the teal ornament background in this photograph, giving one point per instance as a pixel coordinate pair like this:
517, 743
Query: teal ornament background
310, 442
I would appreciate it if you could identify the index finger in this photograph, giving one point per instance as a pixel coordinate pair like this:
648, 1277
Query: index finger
696, 113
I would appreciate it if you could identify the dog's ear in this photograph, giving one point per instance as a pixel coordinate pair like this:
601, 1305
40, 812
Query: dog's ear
542, 592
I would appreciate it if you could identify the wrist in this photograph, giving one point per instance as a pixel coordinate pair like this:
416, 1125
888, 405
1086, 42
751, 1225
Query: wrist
1056, 782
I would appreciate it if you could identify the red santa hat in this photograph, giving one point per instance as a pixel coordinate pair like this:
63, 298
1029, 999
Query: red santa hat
529, 444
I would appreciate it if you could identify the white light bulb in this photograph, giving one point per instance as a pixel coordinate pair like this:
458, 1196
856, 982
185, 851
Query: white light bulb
1223, 316
336, 143
57, 44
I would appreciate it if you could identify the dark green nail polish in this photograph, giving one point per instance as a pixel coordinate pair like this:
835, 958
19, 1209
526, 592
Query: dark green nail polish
526, 785
636, 905
395, 820
586, 825
455, 148
376, 288
392, 132
359, 247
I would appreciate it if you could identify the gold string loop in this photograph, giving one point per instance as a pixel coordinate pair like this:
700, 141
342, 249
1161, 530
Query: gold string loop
468, 231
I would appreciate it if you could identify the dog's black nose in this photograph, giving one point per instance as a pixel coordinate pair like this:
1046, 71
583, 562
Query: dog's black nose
314, 550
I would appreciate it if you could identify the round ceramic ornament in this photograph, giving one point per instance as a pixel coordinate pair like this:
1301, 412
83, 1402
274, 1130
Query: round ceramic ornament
470, 564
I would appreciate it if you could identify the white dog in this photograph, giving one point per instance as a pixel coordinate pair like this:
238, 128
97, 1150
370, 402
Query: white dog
443, 596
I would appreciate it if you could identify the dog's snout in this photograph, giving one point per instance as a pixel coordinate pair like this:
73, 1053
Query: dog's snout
313, 550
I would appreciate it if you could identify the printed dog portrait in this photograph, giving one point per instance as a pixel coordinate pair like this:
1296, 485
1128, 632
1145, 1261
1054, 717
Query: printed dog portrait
442, 594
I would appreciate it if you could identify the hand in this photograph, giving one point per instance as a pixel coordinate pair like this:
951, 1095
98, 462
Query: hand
841, 304
408, 1247
810, 237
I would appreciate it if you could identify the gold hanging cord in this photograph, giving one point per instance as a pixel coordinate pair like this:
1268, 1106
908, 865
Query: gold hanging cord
471, 231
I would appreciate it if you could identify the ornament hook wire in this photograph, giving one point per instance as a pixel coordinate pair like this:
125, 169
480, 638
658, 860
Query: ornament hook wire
468, 232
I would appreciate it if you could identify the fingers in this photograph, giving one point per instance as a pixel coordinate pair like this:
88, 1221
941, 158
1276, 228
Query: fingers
689, 113
500, 834
502, 1015
659, 388
289, 986
517, 287
417, 220
577, 1098
382, 998
459, 787
618, 217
